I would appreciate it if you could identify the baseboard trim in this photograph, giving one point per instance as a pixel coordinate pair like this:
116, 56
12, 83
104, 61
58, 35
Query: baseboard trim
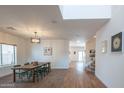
100, 80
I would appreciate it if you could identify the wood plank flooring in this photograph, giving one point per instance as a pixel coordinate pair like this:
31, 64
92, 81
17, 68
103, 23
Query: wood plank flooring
74, 77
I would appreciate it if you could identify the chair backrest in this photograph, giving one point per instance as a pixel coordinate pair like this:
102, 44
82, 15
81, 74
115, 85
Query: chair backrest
34, 63
16, 65
27, 63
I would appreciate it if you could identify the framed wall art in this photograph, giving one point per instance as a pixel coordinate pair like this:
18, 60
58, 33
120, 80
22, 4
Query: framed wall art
74, 52
47, 51
104, 46
116, 42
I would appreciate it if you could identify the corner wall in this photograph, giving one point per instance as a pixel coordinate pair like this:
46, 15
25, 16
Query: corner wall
110, 66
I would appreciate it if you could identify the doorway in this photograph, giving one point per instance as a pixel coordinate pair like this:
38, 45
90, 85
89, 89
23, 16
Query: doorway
80, 56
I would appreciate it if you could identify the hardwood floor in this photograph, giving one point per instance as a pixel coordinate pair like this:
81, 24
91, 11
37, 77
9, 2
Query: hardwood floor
74, 77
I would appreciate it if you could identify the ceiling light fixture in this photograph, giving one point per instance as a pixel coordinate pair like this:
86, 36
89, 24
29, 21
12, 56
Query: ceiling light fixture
35, 39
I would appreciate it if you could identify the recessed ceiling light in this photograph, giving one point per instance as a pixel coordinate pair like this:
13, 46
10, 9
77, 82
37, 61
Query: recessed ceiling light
94, 36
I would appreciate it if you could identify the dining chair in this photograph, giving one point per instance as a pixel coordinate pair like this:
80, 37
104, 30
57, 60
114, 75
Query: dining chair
27, 72
26, 63
37, 71
45, 69
19, 73
40, 71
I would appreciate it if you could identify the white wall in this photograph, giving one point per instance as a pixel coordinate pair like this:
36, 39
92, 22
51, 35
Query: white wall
60, 56
110, 66
21, 50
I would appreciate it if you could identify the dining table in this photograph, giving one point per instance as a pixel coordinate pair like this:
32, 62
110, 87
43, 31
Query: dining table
30, 67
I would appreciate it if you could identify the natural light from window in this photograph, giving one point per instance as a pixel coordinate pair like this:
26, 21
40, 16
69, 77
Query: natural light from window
7, 54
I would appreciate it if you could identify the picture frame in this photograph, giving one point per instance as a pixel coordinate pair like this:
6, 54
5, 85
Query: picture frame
74, 52
116, 42
47, 51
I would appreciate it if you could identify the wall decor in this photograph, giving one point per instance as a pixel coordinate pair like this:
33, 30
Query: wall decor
74, 52
116, 43
47, 51
104, 46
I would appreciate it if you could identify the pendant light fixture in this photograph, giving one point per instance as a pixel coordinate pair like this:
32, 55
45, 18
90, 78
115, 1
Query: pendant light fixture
35, 39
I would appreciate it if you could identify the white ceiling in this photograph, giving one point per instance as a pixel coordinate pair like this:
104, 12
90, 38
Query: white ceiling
47, 21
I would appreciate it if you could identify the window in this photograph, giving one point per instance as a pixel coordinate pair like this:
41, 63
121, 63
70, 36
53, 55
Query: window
7, 54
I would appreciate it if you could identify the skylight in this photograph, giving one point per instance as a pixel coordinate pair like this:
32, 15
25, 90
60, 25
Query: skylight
85, 12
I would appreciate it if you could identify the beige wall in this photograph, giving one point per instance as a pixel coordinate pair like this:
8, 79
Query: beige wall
21, 50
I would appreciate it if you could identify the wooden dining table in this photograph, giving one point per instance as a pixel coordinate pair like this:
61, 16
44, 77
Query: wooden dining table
30, 67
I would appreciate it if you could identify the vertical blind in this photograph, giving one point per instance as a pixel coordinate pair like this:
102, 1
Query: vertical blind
7, 54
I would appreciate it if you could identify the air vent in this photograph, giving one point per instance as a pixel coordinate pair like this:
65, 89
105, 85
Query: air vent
10, 28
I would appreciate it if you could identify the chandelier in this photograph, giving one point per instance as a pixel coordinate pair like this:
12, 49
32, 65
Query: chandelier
35, 39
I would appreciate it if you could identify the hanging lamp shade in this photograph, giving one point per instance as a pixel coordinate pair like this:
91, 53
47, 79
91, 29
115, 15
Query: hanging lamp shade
35, 39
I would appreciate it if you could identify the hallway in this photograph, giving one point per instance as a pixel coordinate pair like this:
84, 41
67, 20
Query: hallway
74, 77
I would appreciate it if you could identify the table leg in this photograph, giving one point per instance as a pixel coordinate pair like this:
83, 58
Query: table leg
14, 76
49, 65
33, 75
